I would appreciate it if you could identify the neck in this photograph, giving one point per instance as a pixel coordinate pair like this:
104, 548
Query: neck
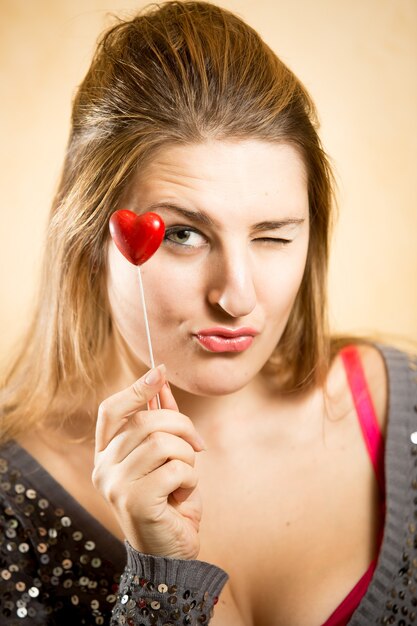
227, 418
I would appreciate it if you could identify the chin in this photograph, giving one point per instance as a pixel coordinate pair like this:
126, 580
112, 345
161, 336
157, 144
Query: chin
213, 386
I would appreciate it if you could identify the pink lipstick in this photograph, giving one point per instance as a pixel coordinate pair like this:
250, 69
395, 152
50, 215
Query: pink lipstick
221, 339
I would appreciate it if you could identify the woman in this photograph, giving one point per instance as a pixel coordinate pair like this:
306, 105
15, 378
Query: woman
276, 427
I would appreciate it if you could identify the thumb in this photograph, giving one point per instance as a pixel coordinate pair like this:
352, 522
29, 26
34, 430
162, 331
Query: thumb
112, 413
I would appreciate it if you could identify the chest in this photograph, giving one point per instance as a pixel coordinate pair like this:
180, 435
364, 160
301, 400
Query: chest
294, 529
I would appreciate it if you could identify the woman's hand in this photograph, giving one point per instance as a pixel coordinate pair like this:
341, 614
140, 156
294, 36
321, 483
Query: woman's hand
144, 467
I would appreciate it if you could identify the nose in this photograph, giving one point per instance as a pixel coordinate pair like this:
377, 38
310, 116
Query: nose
232, 285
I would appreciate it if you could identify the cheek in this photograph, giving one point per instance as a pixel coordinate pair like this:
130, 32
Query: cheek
280, 282
171, 290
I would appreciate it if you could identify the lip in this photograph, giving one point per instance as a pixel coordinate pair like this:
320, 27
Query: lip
220, 331
220, 339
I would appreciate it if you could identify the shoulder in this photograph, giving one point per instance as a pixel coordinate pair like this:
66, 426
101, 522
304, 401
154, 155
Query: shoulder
376, 375
391, 377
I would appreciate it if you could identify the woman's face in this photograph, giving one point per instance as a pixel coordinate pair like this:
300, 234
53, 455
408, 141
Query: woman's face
233, 257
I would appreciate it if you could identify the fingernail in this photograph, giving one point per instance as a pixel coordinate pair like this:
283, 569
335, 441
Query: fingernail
154, 375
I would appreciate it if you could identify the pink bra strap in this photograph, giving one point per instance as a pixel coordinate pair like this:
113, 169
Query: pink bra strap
343, 613
365, 410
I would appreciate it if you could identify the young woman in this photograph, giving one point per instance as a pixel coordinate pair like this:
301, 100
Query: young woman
278, 477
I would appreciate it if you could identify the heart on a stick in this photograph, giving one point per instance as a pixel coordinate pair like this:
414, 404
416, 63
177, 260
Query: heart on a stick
137, 237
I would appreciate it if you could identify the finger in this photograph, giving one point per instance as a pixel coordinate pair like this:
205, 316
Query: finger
166, 398
181, 495
153, 404
146, 424
114, 410
168, 478
154, 451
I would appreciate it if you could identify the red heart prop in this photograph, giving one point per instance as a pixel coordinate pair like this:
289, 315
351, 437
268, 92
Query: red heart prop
138, 237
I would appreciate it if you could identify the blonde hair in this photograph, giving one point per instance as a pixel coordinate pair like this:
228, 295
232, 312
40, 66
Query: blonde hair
181, 72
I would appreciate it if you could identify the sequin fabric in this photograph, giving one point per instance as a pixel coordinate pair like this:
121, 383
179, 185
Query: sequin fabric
51, 570
145, 602
60, 567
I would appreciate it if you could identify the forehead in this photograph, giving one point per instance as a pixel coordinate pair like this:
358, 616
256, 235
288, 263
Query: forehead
250, 172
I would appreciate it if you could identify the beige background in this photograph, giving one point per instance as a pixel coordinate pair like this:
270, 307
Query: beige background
358, 58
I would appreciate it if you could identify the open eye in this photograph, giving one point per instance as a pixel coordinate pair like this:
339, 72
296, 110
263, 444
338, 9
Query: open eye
182, 236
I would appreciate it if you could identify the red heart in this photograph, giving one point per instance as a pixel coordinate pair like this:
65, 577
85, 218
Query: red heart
138, 237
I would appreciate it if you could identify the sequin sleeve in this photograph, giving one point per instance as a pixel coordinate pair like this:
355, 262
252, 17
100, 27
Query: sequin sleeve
161, 590
57, 567
20, 584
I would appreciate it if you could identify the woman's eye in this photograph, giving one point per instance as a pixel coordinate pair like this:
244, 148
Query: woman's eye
273, 240
184, 237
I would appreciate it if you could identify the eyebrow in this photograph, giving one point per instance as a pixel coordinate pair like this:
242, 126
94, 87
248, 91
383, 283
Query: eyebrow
202, 218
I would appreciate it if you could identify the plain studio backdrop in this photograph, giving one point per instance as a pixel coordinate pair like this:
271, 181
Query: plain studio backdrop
358, 59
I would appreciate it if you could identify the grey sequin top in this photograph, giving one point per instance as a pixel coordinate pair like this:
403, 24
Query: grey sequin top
58, 565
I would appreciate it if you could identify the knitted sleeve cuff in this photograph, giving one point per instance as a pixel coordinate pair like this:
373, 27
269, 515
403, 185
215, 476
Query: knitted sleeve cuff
185, 574
159, 589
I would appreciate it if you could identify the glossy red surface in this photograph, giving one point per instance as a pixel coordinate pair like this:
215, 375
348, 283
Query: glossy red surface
137, 237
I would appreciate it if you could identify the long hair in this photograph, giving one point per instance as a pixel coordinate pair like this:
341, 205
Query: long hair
177, 73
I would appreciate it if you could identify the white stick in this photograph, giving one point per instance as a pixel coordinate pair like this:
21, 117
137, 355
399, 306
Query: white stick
148, 334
